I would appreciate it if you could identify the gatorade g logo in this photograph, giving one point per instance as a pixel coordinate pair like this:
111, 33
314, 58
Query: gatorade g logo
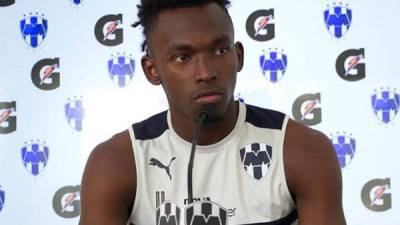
350, 66
4, 3
8, 122
305, 109
44, 76
376, 195
107, 31
66, 201
259, 25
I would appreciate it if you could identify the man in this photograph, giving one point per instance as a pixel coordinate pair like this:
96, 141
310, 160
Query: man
252, 165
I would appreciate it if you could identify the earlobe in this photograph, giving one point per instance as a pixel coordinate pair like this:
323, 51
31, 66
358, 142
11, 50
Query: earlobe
240, 55
149, 70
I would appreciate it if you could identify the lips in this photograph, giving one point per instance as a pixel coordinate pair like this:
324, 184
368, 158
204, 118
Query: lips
208, 96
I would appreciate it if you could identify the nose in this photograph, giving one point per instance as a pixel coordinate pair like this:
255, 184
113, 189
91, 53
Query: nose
205, 69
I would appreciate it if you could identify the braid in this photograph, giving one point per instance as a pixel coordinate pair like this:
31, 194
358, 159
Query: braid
149, 10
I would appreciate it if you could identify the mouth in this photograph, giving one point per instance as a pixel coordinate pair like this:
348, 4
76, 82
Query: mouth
208, 96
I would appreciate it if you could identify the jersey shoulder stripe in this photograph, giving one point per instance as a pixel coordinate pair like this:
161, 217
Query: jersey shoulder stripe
264, 118
152, 127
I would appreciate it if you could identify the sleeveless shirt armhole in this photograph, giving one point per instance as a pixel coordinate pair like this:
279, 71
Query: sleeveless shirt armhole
138, 175
284, 126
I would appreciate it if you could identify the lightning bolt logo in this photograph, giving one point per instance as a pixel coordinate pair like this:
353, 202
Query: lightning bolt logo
379, 193
111, 28
48, 72
353, 63
262, 24
5, 114
69, 199
310, 106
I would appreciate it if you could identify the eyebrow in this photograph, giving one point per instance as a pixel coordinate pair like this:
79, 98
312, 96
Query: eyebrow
188, 47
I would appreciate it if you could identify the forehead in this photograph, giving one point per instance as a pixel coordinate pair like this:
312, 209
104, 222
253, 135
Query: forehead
193, 26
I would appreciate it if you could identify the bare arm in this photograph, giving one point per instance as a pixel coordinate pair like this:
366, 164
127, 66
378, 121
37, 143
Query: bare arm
109, 183
313, 176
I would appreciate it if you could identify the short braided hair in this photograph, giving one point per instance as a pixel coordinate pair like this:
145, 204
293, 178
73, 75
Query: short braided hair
149, 10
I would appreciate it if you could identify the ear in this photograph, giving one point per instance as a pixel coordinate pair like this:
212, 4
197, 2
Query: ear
240, 55
149, 70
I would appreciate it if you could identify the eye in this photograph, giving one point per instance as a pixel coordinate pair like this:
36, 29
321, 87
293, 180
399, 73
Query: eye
221, 51
182, 58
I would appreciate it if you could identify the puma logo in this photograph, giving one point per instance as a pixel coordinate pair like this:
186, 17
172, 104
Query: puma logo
156, 162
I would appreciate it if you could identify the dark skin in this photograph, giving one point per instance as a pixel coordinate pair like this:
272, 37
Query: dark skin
196, 62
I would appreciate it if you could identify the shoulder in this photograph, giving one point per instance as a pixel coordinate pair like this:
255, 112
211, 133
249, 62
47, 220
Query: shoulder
116, 150
109, 173
313, 175
302, 139
310, 160
306, 149
111, 164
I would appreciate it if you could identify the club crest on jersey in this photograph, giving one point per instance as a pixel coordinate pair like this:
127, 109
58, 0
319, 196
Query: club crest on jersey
35, 156
74, 112
345, 147
2, 199
256, 159
121, 69
168, 214
34, 29
385, 103
206, 212
273, 64
338, 19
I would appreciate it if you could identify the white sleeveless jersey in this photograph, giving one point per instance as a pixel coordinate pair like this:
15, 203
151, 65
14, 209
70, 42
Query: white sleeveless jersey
239, 180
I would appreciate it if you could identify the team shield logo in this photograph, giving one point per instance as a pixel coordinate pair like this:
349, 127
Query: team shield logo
74, 112
121, 70
2, 199
385, 104
273, 65
338, 19
34, 29
204, 213
77, 2
256, 159
345, 147
35, 157
168, 214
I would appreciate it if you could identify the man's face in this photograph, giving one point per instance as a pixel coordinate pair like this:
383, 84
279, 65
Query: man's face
193, 56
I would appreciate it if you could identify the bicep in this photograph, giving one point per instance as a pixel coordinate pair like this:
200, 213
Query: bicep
317, 184
106, 194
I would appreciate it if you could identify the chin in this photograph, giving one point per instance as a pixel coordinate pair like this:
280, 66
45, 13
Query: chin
213, 119
216, 112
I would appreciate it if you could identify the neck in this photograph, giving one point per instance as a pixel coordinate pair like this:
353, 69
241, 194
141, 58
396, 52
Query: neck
211, 132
